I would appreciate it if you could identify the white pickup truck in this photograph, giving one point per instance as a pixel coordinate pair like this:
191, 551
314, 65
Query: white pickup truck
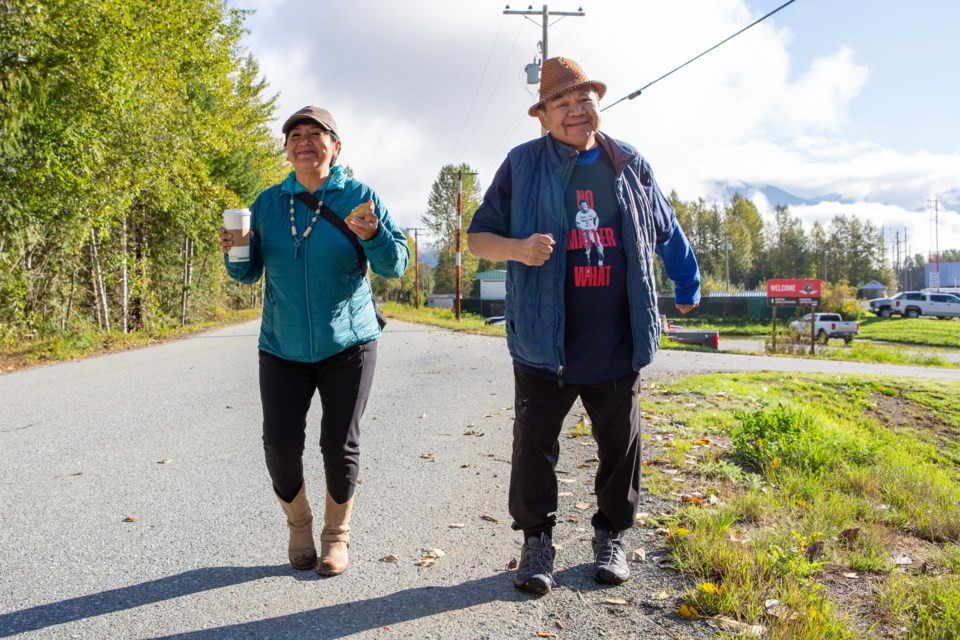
913, 304
826, 326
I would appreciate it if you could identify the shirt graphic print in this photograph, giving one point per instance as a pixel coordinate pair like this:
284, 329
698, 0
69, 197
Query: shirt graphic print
597, 337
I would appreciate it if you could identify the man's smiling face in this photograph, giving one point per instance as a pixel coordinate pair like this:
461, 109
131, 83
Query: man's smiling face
573, 118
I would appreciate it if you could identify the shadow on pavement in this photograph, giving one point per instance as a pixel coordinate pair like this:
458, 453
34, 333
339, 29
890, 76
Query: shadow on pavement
340, 620
96, 604
334, 621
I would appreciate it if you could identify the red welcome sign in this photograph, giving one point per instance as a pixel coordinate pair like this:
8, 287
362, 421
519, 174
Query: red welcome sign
793, 293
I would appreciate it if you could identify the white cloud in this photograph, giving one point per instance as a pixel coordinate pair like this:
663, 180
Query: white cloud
424, 83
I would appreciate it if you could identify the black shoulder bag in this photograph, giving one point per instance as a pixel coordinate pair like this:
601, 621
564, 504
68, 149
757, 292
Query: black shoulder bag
341, 226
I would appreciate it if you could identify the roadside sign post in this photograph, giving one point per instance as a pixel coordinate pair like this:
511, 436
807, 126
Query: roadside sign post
794, 293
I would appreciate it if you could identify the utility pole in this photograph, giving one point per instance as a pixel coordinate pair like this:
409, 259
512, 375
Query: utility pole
459, 175
935, 258
416, 266
726, 251
544, 14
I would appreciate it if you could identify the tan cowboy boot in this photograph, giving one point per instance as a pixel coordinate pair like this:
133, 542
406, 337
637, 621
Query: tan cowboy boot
335, 537
301, 549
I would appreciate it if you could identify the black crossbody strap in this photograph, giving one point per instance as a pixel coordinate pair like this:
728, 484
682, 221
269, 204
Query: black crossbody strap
338, 223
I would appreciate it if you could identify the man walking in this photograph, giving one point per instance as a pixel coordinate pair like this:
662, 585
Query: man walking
576, 329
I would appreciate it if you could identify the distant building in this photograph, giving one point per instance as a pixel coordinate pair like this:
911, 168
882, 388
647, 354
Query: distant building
872, 290
493, 291
493, 284
949, 275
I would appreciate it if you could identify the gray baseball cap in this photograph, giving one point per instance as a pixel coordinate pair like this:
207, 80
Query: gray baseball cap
313, 114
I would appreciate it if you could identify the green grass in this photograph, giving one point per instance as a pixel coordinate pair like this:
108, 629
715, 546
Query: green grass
923, 331
71, 345
823, 475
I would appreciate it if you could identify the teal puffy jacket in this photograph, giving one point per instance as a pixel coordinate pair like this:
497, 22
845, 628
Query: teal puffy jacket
319, 303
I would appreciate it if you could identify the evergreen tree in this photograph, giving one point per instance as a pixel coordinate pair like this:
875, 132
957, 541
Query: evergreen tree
441, 221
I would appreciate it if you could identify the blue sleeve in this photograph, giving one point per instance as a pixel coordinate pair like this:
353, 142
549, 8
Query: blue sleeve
681, 266
493, 214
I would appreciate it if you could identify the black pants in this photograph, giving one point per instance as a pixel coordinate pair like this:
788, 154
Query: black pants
541, 406
286, 390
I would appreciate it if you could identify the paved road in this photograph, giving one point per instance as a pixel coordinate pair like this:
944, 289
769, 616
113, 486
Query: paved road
167, 437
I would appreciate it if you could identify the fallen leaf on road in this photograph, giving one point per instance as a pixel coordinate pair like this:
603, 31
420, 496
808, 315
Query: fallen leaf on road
687, 612
164, 461
428, 456
129, 519
457, 525
488, 518
433, 553
566, 480
390, 558
583, 505
617, 601
546, 634
638, 555
512, 564
564, 494
426, 562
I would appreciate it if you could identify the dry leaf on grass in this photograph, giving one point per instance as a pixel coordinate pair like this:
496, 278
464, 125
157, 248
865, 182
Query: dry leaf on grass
741, 629
850, 535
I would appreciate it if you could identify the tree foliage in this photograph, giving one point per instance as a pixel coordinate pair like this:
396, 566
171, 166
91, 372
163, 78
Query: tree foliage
441, 222
128, 125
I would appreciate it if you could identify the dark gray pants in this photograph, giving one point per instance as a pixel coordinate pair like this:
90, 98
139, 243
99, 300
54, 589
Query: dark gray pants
541, 406
286, 391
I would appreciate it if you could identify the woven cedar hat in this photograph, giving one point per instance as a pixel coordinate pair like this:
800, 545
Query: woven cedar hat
312, 114
560, 75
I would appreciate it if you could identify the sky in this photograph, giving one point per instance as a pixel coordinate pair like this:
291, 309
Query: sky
850, 106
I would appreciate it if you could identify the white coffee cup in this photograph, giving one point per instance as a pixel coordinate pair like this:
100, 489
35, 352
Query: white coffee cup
237, 222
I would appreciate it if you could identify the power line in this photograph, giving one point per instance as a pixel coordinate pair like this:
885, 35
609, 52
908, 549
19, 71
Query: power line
649, 84
476, 92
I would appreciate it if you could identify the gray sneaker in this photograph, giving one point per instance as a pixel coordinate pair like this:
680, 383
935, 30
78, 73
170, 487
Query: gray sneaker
535, 573
610, 557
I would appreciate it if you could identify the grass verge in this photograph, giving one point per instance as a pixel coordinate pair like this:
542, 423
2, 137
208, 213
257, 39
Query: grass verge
72, 345
814, 506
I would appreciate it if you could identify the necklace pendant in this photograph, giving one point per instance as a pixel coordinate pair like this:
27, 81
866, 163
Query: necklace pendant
296, 248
